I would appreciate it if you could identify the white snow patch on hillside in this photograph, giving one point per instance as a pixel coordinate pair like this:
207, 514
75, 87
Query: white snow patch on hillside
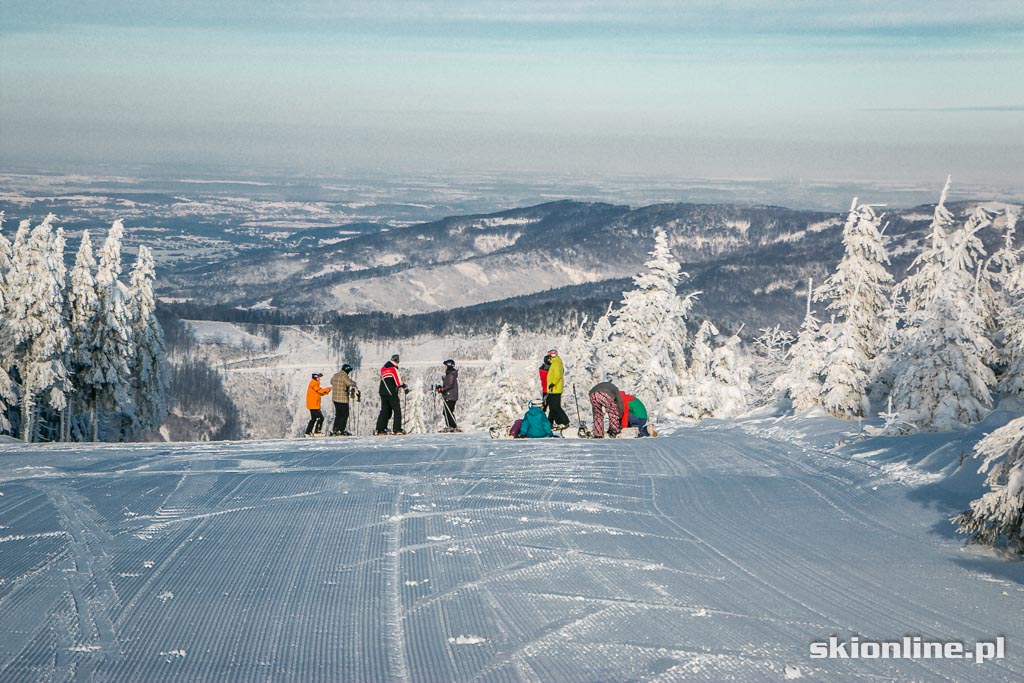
490, 243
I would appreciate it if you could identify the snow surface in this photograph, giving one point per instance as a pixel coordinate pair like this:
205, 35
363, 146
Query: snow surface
717, 552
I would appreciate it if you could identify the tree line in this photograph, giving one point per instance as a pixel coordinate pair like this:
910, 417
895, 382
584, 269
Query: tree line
82, 354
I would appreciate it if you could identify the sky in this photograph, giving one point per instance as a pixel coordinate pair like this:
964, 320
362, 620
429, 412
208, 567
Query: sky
901, 91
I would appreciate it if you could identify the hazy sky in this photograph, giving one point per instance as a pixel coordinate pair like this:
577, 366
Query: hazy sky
814, 89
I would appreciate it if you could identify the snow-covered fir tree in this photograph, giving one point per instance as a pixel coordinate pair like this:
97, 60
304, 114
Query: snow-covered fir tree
596, 365
37, 311
772, 350
112, 345
857, 294
578, 357
926, 274
802, 379
503, 398
998, 516
698, 402
1011, 324
415, 421
646, 348
719, 376
8, 389
731, 371
83, 307
942, 378
994, 278
149, 372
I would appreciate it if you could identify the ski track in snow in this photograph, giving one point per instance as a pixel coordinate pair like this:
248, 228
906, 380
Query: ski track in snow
710, 554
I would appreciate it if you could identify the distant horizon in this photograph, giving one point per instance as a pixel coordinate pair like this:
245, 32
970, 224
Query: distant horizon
736, 89
443, 194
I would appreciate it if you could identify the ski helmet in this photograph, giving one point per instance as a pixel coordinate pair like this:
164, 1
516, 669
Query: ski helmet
394, 358
553, 353
449, 363
317, 375
346, 368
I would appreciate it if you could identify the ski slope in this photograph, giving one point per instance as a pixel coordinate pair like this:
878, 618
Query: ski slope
717, 552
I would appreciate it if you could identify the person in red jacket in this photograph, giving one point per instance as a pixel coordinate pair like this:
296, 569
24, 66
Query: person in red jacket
544, 367
390, 385
313, 395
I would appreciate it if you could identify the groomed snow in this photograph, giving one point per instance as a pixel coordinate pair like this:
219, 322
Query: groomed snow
717, 552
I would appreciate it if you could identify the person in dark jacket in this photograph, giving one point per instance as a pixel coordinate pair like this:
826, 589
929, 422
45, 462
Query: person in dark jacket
342, 388
390, 403
449, 390
606, 401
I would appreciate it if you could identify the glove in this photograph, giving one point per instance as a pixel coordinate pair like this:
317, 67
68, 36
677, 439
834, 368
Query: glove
551, 387
406, 389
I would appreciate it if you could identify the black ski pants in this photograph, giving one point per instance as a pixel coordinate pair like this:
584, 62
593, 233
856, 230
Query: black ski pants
555, 412
340, 417
316, 420
449, 414
390, 405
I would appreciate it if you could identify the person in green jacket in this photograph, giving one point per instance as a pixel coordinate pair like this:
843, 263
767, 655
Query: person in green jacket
556, 385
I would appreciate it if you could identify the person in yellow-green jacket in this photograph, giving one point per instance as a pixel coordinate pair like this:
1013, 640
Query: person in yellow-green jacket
556, 385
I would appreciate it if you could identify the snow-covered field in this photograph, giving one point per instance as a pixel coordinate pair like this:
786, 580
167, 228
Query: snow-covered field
717, 552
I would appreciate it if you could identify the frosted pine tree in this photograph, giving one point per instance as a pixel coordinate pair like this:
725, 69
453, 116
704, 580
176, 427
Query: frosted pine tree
504, 398
772, 349
943, 381
648, 336
42, 338
149, 371
994, 277
857, 295
999, 514
83, 307
719, 376
731, 371
578, 356
926, 274
8, 389
698, 400
802, 379
1011, 322
597, 365
112, 344
416, 419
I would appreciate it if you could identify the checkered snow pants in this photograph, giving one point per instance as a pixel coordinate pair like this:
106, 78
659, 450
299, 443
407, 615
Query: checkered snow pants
603, 406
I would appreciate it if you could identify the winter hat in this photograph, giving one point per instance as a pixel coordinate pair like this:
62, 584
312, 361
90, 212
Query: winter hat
394, 358
317, 375
346, 368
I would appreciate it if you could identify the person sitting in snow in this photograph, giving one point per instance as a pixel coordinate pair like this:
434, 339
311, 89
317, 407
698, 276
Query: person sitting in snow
606, 401
534, 424
313, 395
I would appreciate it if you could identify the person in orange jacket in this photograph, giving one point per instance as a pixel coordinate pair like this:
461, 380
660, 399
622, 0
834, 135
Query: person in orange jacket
313, 395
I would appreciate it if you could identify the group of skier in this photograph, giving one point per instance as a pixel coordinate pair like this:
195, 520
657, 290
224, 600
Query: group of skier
607, 402
543, 417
